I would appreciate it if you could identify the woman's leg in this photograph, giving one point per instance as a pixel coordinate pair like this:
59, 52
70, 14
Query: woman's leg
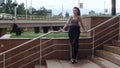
71, 47
76, 47
74, 38
71, 37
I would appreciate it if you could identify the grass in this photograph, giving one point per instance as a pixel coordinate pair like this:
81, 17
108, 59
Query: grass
26, 35
33, 35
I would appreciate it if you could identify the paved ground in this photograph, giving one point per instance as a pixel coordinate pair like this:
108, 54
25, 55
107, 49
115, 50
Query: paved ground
6, 36
38, 66
84, 63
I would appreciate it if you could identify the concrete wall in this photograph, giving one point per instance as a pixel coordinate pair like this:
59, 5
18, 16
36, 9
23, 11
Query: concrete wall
89, 22
2, 31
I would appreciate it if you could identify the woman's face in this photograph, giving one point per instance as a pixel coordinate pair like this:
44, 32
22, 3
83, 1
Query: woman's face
75, 11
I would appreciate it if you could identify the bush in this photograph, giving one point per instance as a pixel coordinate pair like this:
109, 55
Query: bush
56, 28
45, 29
16, 29
36, 29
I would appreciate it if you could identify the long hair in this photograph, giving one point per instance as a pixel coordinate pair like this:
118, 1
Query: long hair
79, 13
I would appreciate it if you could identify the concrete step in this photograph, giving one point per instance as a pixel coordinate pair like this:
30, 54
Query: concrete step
81, 64
67, 64
103, 63
53, 64
113, 49
115, 58
116, 42
42, 66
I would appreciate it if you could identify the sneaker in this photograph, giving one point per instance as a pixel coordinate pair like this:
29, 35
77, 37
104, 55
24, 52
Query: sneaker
75, 61
72, 61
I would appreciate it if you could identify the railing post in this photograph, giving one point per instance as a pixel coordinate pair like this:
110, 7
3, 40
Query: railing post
4, 61
119, 28
93, 43
40, 52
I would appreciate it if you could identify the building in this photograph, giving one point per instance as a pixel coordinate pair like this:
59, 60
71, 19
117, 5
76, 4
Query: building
5, 16
92, 13
49, 12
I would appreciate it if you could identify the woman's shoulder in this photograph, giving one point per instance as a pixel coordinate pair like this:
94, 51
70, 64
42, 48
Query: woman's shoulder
71, 17
79, 17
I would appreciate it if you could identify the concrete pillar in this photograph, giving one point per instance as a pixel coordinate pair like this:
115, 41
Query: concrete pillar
3, 31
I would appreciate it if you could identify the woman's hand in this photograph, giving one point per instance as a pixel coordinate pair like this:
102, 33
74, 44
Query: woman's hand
61, 30
85, 31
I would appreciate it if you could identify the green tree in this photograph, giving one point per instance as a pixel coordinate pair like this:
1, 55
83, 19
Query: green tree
2, 2
9, 7
2, 9
21, 9
43, 11
60, 14
67, 15
33, 9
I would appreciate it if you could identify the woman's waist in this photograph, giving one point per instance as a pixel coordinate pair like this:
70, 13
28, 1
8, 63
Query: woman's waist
74, 26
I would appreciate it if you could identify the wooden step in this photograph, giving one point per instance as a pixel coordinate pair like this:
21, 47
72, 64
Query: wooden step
103, 63
67, 64
53, 64
113, 49
115, 58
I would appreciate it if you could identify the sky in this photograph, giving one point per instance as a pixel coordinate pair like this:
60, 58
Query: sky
58, 6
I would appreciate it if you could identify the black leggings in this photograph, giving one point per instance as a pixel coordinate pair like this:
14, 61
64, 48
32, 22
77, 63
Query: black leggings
74, 33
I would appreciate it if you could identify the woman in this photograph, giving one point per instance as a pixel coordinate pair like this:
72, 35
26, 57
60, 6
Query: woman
74, 23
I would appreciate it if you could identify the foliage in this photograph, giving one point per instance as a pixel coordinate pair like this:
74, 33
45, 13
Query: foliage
8, 7
21, 9
33, 35
67, 15
60, 14
42, 11
16, 29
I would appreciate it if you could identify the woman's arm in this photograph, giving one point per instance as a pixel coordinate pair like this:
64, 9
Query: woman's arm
81, 23
67, 23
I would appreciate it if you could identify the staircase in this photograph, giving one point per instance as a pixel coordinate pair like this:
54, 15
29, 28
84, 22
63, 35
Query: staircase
109, 57
107, 50
66, 64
